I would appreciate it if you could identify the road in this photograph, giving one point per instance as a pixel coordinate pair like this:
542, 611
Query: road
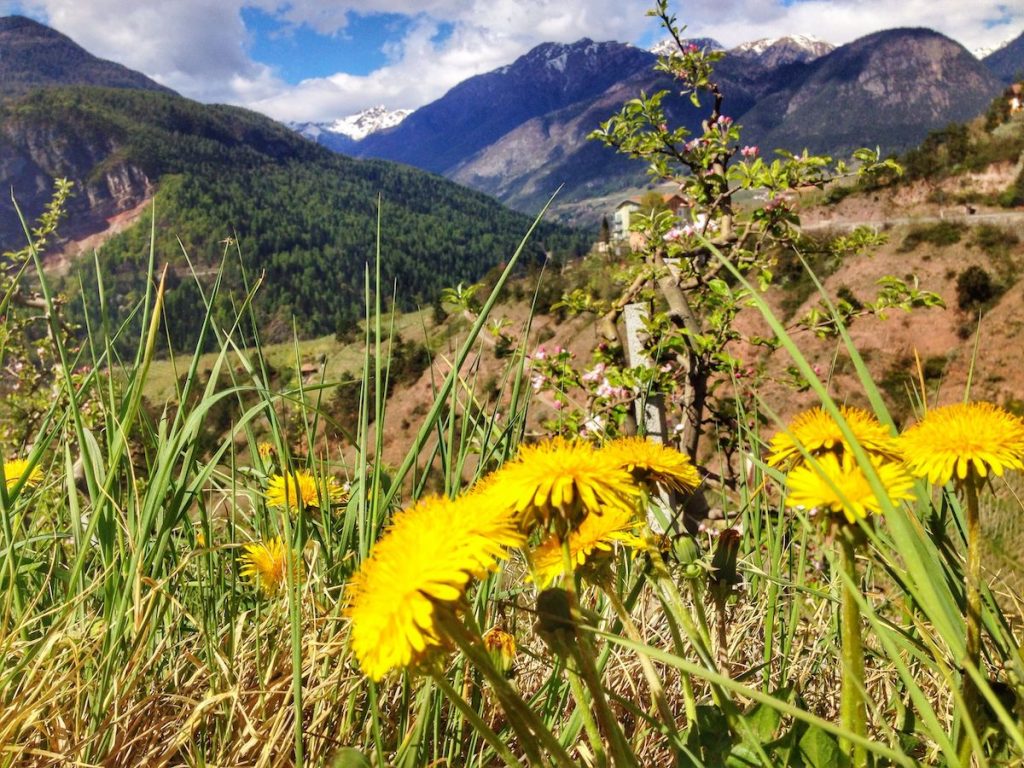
1009, 217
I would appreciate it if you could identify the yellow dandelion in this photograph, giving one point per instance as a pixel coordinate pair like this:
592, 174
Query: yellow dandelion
955, 439
560, 481
649, 461
818, 433
266, 563
596, 537
839, 485
502, 648
301, 486
427, 556
265, 450
14, 469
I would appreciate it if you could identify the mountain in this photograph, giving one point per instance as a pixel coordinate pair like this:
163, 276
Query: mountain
668, 45
322, 134
983, 51
371, 120
519, 133
32, 55
774, 52
342, 134
304, 218
1008, 61
887, 89
480, 110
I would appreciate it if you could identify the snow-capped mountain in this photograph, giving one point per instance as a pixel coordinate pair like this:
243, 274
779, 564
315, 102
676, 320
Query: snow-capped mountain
775, 51
341, 134
668, 45
371, 120
770, 52
1007, 61
988, 50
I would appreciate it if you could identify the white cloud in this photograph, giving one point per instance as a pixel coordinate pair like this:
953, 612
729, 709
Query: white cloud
486, 34
201, 48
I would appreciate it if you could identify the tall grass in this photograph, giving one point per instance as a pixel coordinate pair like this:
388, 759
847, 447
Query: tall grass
128, 637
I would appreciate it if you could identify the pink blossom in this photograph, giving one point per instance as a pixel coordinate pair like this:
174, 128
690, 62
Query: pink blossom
537, 381
749, 151
594, 374
605, 389
673, 234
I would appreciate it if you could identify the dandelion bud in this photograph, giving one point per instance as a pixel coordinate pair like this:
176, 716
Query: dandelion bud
502, 648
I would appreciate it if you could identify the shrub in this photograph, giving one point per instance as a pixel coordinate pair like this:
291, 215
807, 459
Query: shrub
974, 288
940, 234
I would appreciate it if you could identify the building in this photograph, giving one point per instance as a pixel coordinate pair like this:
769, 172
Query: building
621, 219
625, 211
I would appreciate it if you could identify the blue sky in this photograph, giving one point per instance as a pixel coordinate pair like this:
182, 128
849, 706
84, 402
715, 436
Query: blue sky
300, 52
324, 59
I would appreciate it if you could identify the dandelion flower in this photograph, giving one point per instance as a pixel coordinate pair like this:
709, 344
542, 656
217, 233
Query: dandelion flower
265, 450
817, 433
266, 563
839, 485
14, 469
426, 557
295, 487
649, 461
952, 440
596, 536
561, 481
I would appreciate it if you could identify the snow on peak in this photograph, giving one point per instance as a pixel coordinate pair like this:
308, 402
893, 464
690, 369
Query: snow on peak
371, 120
668, 46
987, 50
810, 43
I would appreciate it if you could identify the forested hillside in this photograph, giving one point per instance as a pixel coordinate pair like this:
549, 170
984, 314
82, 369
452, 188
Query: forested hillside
301, 215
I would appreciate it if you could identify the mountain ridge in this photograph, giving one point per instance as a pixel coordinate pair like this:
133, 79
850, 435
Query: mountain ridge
526, 157
482, 108
1007, 61
34, 55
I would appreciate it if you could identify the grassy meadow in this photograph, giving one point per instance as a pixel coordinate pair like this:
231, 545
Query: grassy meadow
168, 598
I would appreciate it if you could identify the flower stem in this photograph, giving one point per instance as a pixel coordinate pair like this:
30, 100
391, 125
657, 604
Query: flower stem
699, 638
522, 719
582, 670
853, 713
477, 722
971, 694
653, 681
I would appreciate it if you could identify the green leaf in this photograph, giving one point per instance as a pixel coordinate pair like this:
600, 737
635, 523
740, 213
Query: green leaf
820, 749
350, 757
709, 737
764, 720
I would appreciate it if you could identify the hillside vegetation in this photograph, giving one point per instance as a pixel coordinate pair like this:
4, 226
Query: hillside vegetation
304, 218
